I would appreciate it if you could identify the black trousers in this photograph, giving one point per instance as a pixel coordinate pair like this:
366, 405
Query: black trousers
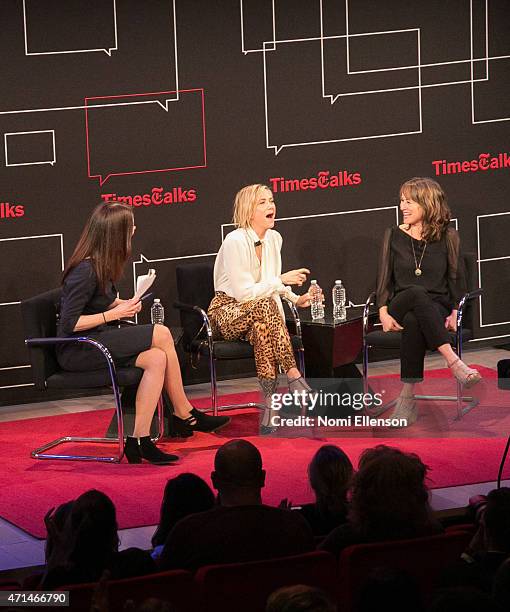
422, 316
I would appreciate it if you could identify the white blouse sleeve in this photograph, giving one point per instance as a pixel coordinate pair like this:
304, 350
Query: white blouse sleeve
237, 266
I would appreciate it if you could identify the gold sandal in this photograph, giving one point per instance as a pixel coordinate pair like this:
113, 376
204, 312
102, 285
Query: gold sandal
468, 377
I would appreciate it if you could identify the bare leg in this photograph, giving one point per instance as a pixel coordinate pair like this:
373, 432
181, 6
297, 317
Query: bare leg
293, 373
407, 390
153, 362
162, 339
448, 353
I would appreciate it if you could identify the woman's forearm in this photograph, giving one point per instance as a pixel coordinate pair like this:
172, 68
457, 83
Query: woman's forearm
383, 310
90, 321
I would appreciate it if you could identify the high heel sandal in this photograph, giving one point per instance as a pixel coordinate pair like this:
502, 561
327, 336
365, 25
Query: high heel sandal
138, 449
468, 377
405, 409
304, 391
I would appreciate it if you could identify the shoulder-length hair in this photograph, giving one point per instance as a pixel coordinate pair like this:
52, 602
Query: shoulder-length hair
106, 240
330, 473
431, 197
389, 494
244, 204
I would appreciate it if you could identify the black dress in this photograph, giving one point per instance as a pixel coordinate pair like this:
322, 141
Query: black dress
82, 295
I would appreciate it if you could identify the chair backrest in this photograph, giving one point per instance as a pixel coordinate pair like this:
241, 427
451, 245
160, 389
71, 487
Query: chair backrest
40, 321
175, 586
471, 267
423, 558
246, 586
195, 286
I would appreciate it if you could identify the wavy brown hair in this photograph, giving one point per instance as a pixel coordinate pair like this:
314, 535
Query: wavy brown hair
106, 240
390, 495
431, 197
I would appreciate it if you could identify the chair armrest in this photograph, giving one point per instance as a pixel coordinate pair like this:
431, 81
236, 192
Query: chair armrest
34, 342
366, 312
295, 315
198, 311
470, 295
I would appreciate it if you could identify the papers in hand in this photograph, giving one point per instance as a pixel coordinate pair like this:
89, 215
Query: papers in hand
143, 283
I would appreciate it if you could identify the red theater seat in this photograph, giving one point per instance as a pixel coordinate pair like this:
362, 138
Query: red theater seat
246, 586
423, 558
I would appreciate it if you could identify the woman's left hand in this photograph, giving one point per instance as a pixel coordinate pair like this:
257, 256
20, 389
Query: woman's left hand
303, 301
137, 305
451, 321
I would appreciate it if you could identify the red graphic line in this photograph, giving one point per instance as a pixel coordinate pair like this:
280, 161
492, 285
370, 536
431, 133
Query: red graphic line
101, 180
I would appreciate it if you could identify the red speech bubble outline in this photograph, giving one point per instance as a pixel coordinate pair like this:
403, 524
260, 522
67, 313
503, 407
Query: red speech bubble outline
102, 179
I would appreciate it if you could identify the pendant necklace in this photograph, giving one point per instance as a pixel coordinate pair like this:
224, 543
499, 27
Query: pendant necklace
417, 270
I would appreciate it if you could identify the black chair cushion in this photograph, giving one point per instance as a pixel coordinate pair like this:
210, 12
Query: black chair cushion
96, 378
235, 349
391, 340
195, 286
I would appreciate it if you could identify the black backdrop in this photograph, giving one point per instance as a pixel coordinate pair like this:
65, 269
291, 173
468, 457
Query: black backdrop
174, 105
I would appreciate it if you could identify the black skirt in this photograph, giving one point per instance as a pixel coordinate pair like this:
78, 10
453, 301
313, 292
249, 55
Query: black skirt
125, 343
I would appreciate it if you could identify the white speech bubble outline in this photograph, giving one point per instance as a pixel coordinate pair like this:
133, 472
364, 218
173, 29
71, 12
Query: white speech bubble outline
101, 49
278, 148
243, 47
51, 162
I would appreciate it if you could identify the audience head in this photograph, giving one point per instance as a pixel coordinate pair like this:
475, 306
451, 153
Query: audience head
330, 473
389, 494
300, 598
106, 240
389, 589
93, 526
185, 494
430, 196
496, 520
245, 203
238, 475
60, 517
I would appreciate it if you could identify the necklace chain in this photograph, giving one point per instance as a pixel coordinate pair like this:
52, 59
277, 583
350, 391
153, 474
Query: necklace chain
417, 264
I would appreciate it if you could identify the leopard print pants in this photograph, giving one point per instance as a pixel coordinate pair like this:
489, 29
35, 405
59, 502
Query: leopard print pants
258, 321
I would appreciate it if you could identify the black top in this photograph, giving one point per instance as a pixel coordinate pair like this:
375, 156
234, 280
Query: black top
236, 534
323, 522
442, 266
82, 295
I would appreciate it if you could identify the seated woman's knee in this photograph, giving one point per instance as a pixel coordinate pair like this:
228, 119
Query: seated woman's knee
161, 336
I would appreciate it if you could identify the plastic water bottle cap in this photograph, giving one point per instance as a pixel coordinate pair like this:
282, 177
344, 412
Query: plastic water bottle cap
157, 300
313, 282
338, 282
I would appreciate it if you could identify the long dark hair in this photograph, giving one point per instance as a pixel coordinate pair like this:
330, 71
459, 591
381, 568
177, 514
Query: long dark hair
330, 473
106, 240
389, 494
185, 494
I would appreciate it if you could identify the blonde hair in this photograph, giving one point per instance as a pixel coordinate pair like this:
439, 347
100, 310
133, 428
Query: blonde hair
244, 204
432, 199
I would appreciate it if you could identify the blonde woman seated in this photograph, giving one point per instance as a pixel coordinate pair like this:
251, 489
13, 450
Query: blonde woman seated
248, 282
421, 281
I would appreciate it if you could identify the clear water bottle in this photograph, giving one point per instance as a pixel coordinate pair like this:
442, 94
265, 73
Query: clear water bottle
157, 312
339, 303
316, 303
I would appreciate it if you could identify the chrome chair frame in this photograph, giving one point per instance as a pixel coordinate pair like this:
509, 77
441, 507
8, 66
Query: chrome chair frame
212, 360
39, 453
464, 403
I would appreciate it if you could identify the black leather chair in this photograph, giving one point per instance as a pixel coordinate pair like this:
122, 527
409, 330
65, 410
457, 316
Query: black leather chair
40, 320
391, 340
195, 288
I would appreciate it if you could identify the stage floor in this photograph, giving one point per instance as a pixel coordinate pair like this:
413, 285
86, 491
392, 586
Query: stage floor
18, 549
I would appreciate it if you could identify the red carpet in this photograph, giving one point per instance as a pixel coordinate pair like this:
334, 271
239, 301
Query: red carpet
457, 453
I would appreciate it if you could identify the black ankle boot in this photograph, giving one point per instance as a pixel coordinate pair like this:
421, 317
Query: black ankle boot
199, 421
137, 449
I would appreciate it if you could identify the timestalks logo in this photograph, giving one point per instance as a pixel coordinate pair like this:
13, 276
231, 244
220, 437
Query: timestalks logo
323, 180
484, 161
156, 197
11, 211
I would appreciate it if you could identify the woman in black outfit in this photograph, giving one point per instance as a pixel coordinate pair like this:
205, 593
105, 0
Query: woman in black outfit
421, 280
89, 302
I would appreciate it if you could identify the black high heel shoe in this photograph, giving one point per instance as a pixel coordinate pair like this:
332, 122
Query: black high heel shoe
138, 449
199, 421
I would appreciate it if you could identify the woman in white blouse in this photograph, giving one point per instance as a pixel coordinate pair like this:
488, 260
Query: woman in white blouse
248, 282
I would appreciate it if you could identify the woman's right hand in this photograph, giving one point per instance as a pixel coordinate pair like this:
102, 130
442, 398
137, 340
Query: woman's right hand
125, 310
295, 277
389, 323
